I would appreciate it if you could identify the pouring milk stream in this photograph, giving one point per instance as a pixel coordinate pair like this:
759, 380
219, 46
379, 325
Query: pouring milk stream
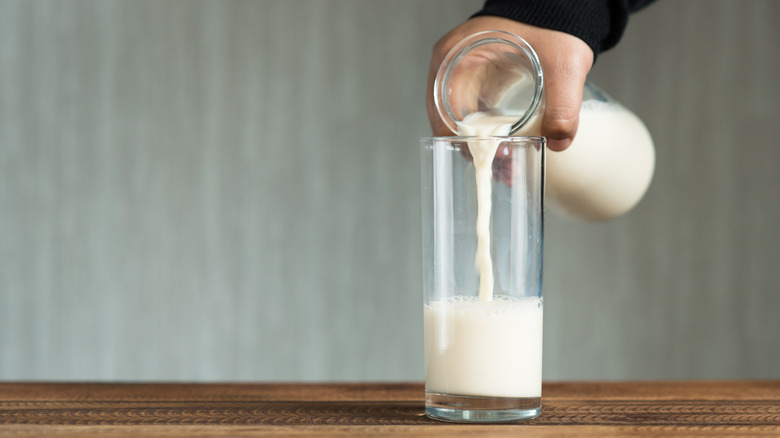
491, 84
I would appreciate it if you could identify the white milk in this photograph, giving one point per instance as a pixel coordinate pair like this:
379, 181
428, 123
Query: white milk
493, 347
489, 349
608, 167
484, 124
485, 347
604, 172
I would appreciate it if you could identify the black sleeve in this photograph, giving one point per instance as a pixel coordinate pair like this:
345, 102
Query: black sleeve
600, 23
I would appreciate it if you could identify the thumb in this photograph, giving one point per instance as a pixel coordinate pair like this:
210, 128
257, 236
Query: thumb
562, 110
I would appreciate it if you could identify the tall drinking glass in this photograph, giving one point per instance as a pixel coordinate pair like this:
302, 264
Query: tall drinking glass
483, 339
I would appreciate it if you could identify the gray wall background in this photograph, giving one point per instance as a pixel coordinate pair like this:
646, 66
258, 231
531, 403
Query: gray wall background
203, 190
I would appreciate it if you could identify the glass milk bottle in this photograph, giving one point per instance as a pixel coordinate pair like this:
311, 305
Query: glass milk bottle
492, 83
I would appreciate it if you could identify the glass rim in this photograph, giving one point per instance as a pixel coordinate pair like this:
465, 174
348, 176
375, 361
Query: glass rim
460, 143
510, 139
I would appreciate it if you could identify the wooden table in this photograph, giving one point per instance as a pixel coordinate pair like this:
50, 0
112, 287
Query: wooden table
380, 409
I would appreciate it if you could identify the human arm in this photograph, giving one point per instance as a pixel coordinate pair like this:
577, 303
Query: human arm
567, 36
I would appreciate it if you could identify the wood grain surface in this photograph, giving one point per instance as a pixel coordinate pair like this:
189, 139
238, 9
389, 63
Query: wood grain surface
582, 409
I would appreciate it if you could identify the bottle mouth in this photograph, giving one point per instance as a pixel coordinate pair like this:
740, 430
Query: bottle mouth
491, 71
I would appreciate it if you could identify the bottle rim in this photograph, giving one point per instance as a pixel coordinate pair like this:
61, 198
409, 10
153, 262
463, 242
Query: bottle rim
461, 50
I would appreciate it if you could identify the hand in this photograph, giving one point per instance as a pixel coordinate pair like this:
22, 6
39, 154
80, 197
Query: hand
566, 61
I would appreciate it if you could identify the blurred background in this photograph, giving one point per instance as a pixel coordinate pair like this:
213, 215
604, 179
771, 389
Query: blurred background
204, 190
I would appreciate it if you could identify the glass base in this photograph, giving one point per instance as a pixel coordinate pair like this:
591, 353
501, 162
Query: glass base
473, 409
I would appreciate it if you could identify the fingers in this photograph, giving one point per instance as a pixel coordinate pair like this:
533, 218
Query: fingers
440, 50
466, 101
502, 166
564, 75
562, 110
